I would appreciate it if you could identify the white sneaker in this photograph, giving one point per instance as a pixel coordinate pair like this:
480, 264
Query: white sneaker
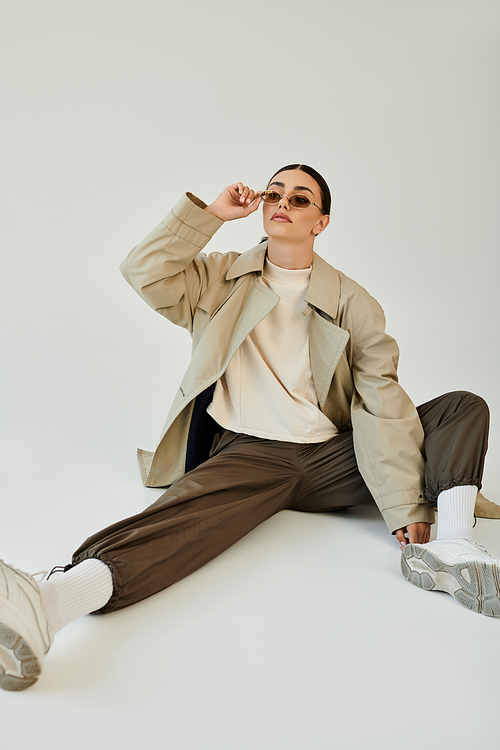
462, 568
25, 635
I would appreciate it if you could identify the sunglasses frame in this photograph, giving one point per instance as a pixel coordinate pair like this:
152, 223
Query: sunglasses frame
271, 203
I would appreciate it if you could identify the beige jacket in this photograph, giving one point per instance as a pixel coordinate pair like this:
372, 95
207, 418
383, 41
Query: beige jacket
218, 299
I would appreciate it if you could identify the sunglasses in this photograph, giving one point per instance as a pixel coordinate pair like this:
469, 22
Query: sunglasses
296, 201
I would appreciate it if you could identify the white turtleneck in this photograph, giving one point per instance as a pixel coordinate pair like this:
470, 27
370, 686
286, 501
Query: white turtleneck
268, 389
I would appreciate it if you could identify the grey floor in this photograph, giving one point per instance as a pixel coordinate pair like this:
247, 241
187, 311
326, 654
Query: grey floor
303, 635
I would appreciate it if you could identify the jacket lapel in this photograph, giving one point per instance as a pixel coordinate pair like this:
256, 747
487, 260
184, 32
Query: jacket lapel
324, 287
326, 344
326, 340
229, 326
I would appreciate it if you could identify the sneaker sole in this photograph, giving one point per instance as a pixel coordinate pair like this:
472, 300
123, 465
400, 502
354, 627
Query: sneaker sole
474, 584
16, 656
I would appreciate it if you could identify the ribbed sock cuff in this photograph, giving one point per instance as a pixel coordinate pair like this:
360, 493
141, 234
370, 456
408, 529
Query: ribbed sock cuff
456, 512
83, 589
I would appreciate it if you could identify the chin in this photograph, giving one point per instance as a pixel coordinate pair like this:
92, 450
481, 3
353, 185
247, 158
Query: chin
276, 229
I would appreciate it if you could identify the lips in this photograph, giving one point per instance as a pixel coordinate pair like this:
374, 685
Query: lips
278, 216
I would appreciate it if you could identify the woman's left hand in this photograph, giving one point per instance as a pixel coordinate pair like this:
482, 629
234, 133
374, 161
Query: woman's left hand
418, 533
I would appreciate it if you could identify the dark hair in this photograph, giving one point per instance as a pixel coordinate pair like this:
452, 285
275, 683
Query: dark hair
326, 198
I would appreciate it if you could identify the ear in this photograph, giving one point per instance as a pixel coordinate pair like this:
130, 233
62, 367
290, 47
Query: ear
321, 224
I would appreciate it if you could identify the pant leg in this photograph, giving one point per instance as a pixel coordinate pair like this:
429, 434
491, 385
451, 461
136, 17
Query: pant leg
456, 429
331, 478
245, 481
456, 439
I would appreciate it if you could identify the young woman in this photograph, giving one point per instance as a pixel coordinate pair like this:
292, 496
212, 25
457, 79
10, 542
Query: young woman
291, 400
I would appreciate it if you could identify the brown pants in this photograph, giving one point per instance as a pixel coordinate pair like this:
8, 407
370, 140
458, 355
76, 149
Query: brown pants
248, 479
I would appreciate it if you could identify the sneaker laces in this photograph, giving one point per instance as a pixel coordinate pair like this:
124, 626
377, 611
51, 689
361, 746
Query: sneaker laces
42, 573
60, 569
24, 573
45, 575
483, 549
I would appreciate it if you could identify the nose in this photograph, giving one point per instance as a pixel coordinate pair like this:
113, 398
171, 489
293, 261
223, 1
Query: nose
282, 203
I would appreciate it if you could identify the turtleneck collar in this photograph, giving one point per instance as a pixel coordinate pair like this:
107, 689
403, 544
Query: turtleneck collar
296, 276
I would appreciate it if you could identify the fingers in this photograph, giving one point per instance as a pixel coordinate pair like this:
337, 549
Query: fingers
414, 533
235, 202
245, 195
255, 203
400, 536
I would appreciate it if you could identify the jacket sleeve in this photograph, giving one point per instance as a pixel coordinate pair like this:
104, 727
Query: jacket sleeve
167, 269
387, 432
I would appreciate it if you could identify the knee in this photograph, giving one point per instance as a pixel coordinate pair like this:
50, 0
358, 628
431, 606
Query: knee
466, 399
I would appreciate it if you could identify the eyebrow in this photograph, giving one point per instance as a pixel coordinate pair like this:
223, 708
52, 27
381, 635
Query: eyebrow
296, 187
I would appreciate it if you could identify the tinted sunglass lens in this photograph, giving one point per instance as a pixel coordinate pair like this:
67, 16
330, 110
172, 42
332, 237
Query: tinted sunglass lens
271, 196
299, 201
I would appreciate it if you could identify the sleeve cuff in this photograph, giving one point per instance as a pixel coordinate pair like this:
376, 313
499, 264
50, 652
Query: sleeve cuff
191, 222
400, 516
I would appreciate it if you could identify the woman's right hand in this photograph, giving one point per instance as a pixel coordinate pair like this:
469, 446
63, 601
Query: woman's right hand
235, 202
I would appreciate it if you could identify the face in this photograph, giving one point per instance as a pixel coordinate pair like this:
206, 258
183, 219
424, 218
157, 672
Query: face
282, 221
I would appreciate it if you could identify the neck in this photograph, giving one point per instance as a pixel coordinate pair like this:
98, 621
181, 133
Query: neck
288, 255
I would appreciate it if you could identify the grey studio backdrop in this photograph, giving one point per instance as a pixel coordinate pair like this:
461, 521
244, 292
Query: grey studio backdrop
110, 110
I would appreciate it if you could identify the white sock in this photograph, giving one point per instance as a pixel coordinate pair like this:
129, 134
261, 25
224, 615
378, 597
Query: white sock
81, 590
456, 512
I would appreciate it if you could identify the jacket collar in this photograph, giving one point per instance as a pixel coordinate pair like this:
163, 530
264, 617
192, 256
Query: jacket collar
324, 286
251, 261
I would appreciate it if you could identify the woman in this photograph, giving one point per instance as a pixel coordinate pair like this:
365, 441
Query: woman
291, 400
